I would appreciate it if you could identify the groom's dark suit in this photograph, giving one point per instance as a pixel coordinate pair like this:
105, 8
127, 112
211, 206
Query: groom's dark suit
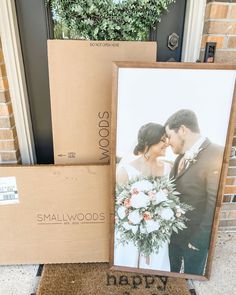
197, 186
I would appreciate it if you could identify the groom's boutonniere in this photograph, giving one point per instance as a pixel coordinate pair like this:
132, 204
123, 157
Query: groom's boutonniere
191, 156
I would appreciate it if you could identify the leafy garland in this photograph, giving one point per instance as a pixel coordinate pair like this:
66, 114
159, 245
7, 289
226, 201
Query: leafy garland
148, 210
107, 19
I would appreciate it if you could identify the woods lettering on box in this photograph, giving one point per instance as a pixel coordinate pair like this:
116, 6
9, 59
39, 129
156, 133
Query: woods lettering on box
104, 134
67, 218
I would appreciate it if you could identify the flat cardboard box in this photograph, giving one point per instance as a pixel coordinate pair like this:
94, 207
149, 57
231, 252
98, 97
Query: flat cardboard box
62, 215
80, 74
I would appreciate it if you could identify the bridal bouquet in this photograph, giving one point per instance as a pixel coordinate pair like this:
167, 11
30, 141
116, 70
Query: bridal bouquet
148, 210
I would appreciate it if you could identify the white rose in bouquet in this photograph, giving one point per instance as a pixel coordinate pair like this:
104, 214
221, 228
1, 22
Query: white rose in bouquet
152, 225
128, 226
142, 185
139, 200
122, 212
135, 217
160, 196
167, 213
143, 229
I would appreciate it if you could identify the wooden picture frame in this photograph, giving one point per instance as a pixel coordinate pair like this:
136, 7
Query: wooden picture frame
141, 214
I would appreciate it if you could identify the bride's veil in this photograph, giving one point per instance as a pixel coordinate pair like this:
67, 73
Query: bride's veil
127, 158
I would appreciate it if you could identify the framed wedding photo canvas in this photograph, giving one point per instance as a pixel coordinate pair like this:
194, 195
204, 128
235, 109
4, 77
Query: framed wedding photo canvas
172, 128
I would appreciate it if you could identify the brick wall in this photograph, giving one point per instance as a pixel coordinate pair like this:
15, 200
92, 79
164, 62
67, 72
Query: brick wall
9, 150
220, 27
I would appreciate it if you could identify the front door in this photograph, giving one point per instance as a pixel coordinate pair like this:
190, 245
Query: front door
32, 22
169, 32
35, 29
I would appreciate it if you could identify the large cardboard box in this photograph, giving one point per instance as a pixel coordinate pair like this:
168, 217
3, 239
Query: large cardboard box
53, 214
80, 86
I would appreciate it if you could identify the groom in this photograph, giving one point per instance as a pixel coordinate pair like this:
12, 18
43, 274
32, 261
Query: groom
196, 172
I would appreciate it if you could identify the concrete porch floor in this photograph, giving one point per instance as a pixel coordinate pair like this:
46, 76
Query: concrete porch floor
23, 280
223, 276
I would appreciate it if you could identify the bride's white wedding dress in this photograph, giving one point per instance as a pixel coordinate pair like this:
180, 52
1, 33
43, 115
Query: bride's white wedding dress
128, 254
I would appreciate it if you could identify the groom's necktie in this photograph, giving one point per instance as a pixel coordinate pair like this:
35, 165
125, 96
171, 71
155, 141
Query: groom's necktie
182, 165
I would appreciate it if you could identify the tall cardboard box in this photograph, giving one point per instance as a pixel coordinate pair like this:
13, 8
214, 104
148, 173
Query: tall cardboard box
80, 75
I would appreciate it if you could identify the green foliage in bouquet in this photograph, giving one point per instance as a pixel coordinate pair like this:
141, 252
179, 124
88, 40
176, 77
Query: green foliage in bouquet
107, 19
148, 210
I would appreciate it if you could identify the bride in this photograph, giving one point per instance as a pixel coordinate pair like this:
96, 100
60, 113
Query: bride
152, 144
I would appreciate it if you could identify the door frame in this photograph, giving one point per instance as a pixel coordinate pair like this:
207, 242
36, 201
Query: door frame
9, 32
193, 29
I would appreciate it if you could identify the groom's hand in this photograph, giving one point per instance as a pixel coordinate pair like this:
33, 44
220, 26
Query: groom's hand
192, 247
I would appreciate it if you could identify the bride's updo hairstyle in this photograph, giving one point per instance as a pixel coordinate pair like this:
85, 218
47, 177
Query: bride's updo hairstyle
148, 134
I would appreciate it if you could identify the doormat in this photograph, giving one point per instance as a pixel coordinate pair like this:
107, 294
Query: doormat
97, 279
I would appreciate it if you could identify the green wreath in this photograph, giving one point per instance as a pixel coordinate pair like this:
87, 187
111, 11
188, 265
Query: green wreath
107, 19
